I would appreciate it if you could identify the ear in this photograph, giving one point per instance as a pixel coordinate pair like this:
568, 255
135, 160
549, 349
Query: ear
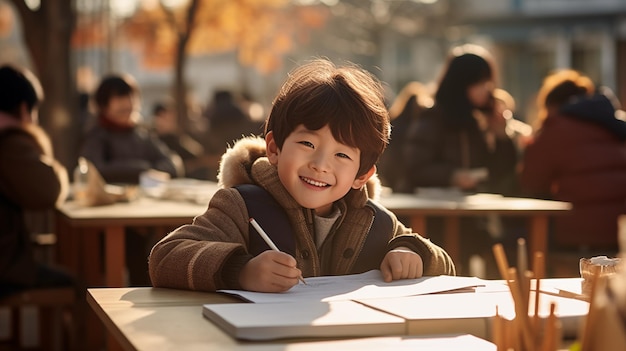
361, 180
271, 148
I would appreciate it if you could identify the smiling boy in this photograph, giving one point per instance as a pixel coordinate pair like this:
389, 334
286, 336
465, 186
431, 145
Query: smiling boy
315, 170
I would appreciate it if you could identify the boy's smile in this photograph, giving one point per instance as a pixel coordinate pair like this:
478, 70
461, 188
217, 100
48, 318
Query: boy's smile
315, 168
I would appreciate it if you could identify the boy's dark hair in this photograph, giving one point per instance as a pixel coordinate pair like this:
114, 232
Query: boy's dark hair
348, 99
18, 86
112, 86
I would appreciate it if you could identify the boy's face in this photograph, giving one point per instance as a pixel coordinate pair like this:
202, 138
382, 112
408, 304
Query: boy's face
123, 110
316, 169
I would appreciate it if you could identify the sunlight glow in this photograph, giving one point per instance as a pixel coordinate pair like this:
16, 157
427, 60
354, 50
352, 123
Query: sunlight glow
174, 3
123, 8
33, 4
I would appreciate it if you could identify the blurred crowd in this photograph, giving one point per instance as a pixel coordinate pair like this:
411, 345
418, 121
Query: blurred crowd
466, 135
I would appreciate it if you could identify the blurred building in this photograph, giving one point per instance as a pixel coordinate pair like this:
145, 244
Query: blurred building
406, 40
533, 37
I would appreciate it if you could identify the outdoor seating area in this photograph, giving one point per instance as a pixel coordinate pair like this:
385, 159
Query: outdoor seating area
304, 175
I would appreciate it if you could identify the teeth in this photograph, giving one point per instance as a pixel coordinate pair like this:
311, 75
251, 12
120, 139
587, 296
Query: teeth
313, 182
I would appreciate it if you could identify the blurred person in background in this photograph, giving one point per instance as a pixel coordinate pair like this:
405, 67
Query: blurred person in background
412, 100
228, 121
118, 145
31, 179
460, 143
122, 149
519, 131
455, 138
165, 125
578, 155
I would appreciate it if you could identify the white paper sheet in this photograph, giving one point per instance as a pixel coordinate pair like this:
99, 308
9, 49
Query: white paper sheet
360, 286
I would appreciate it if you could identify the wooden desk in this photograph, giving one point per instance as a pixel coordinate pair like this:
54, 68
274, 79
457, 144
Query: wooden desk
417, 208
168, 319
75, 224
78, 228
155, 319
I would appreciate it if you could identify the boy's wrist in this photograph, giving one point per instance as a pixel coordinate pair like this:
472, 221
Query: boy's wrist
231, 269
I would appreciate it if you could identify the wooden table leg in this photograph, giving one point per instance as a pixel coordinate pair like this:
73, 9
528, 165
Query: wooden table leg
112, 344
68, 246
115, 258
418, 225
451, 239
539, 235
91, 265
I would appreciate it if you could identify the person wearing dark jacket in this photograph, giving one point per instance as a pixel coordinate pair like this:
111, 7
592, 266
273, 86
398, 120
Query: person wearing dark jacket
411, 102
460, 143
579, 156
452, 140
119, 147
227, 121
31, 179
121, 150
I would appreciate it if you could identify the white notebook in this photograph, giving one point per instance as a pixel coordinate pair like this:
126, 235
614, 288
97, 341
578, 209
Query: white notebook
267, 321
472, 313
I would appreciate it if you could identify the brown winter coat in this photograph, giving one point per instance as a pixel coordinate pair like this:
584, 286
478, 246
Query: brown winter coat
30, 179
210, 253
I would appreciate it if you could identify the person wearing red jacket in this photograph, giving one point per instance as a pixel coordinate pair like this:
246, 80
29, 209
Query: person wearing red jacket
579, 155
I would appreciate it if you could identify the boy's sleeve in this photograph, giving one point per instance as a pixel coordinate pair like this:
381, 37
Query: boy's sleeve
207, 254
436, 259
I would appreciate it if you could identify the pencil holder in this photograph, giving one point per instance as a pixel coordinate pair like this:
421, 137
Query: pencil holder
607, 266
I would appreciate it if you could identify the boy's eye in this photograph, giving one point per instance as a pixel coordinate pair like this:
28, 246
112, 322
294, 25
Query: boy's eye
342, 155
307, 143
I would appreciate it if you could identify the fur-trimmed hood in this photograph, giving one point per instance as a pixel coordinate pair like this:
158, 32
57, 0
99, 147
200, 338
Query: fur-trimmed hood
237, 162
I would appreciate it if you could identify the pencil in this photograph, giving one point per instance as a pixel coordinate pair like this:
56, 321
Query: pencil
539, 271
522, 256
269, 241
501, 261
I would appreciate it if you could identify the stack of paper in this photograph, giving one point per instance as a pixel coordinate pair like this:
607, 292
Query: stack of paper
268, 321
364, 305
473, 313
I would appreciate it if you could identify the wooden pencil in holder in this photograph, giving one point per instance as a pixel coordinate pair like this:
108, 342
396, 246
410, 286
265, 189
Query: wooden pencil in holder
526, 331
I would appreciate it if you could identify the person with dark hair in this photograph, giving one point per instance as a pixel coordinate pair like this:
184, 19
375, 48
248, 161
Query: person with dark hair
412, 100
31, 179
315, 173
118, 146
191, 152
121, 150
578, 155
460, 143
227, 122
454, 144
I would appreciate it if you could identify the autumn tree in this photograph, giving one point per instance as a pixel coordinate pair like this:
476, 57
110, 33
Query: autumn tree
261, 32
47, 28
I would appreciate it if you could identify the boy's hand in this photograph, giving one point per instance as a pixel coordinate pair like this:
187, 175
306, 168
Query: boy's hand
271, 271
401, 263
